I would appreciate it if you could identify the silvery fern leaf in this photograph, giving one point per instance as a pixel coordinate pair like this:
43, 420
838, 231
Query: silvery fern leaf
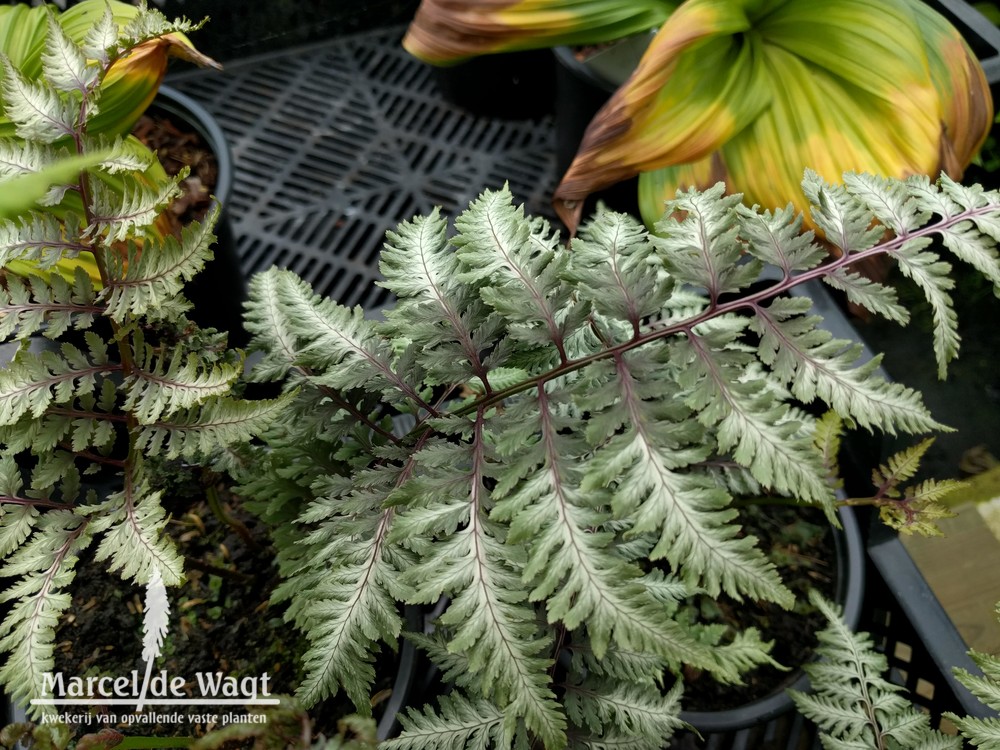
845, 221
117, 215
148, 277
36, 108
487, 617
702, 249
41, 238
889, 201
214, 425
520, 266
777, 238
50, 307
34, 381
18, 514
349, 606
611, 270
748, 420
931, 274
123, 155
981, 732
569, 564
340, 342
874, 297
640, 710
19, 157
460, 723
151, 24
44, 566
817, 366
266, 319
64, 64
646, 441
851, 702
133, 541
100, 38
447, 320
163, 382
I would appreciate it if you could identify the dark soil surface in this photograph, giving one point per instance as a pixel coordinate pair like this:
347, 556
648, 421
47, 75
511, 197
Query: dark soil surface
801, 545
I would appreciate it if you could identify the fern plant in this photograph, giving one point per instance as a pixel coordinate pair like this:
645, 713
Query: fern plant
854, 705
125, 376
551, 440
982, 733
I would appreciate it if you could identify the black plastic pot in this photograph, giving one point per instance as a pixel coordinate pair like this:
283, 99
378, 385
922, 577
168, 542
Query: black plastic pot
509, 86
219, 290
406, 674
850, 561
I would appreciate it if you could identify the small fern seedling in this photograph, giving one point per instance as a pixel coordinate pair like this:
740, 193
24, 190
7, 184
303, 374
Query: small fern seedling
551, 440
104, 376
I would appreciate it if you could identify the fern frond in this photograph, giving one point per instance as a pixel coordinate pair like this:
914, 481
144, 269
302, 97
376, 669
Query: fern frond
750, 421
40, 238
340, 342
122, 155
852, 702
45, 567
931, 274
119, 214
816, 365
350, 604
874, 297
889, 201
777, 238
64, 64
901, 466
631, 710
133, 542
487, 619
34, 381
266, 319
461, 723
51, 307
100, 38
702, 248
519, 263
844, 220
156, 273
646, 439
445, 320
569, 563
611, 270
162, 383
213, 425
152, 24
37, 110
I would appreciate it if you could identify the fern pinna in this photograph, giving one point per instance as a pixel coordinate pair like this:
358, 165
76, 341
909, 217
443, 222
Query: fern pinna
579, 422
132, 377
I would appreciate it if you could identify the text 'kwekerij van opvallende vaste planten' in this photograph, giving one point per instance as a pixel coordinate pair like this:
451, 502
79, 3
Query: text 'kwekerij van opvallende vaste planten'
547, 440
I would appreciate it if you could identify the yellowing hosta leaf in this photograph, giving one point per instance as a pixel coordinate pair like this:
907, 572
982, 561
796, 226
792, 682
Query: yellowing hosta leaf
755, 93
444, 32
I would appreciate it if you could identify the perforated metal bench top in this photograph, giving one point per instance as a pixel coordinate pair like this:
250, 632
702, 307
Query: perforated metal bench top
337, 142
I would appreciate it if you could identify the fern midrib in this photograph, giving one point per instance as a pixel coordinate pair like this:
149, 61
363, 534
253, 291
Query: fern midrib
639, 421
37, 385
548, 317
631, 305
713, 311
482, 558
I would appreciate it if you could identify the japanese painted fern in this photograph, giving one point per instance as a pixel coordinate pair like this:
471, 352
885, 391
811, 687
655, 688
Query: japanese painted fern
131, 372
580, 420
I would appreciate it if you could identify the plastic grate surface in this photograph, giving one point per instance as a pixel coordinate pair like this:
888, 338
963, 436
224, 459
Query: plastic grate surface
335, 143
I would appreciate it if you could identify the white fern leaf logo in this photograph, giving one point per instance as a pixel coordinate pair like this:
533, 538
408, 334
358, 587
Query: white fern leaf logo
154, 627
